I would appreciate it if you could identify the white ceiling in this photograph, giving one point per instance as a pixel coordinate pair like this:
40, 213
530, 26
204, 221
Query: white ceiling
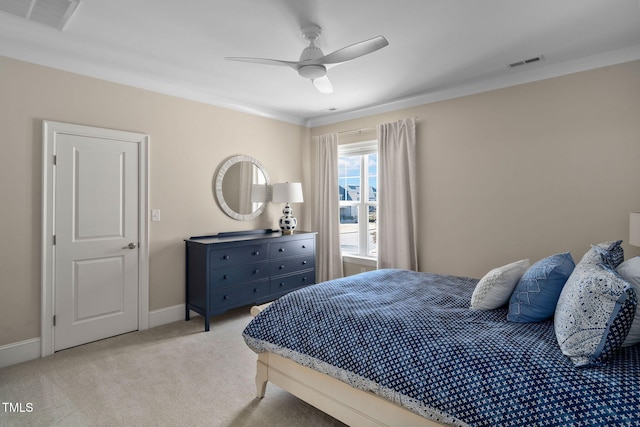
437, 48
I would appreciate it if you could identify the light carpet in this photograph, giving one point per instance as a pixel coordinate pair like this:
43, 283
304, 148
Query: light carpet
171, 375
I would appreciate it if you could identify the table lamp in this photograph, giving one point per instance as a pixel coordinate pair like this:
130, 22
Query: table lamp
634, 229
287, 192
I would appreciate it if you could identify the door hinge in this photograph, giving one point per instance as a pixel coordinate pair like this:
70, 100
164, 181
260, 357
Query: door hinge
55, 160
54, 240
54, 320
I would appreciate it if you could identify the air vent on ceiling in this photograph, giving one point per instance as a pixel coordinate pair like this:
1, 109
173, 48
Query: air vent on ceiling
526, 61
53, 13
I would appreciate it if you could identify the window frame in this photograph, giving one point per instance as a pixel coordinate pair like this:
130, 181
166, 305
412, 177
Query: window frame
362, 149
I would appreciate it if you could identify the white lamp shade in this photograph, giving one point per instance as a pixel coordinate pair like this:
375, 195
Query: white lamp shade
287, 192
634, 229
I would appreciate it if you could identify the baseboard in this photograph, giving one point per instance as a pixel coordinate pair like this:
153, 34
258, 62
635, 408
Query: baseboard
166, 315
23, 351
19, 352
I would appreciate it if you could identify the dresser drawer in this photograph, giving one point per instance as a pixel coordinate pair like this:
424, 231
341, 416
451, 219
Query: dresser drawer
292, 265
290, 283
237, 296
292, 248
229, 276
238, 255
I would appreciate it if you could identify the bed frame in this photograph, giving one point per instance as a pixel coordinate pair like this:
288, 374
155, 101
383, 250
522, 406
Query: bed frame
334, 397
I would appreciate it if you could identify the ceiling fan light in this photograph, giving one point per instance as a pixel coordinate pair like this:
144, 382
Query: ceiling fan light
312, 71
323, 84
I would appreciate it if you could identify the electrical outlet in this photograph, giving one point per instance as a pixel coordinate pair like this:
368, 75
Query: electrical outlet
155, 215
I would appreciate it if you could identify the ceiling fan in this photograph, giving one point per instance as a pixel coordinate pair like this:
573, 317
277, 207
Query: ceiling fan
313, 63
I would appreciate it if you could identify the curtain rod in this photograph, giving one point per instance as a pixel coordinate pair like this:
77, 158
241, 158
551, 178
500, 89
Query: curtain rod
367, 129
358, 130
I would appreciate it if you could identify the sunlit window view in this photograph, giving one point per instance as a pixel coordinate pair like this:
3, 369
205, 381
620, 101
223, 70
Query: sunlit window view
357, 184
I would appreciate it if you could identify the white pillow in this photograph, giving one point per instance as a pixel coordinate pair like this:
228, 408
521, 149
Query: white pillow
630, 271
495, 288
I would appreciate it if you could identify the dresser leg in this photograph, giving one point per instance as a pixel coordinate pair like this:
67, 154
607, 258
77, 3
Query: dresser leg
206, 323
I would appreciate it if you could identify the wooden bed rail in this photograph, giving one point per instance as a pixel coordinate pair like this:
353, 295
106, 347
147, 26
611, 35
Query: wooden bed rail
336, 398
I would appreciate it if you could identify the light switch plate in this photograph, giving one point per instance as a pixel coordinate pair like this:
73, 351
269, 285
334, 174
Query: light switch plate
155, 215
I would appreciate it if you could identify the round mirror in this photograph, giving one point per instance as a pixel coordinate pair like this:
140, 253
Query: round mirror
242, 187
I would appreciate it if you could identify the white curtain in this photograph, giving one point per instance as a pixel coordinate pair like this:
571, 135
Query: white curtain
397, 203
325, 213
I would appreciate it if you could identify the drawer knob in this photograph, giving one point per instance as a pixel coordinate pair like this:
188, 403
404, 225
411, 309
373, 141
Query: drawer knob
256, 253
304, 262
255, 290
282, 267
225, 277
256, 271
304, 279
281, 284
225, 257
281, 250
304, 246
225, 297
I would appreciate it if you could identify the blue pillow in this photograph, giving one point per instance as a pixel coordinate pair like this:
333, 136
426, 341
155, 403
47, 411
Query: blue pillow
535, 296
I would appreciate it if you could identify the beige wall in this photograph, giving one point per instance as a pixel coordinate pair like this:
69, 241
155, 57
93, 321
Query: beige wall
520, 172
188, 142
526, 171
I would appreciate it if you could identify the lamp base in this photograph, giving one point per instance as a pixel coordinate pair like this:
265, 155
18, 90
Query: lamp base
288, 222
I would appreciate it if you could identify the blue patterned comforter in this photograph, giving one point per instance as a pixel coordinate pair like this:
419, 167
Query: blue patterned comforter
412, 338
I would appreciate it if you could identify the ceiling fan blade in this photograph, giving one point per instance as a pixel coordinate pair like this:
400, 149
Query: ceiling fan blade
323, 84
264, 61
353, 51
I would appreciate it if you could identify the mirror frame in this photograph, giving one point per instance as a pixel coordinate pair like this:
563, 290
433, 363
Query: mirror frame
218, 187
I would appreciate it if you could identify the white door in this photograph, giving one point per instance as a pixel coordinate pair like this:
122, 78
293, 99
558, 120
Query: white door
95, 289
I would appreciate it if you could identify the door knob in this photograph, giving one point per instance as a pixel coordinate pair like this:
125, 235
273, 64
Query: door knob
130, 246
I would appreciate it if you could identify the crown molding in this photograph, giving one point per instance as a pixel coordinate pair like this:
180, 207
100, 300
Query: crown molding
536, 73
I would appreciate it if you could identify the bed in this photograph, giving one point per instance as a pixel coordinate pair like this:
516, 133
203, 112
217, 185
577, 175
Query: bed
397, 347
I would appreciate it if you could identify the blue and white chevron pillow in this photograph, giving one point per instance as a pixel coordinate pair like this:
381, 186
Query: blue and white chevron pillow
535, 297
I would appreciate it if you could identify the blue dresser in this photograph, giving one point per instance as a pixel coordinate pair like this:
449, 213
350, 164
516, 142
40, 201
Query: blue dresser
235, 269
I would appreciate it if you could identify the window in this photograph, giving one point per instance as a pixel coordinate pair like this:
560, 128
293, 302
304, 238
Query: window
357, 184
